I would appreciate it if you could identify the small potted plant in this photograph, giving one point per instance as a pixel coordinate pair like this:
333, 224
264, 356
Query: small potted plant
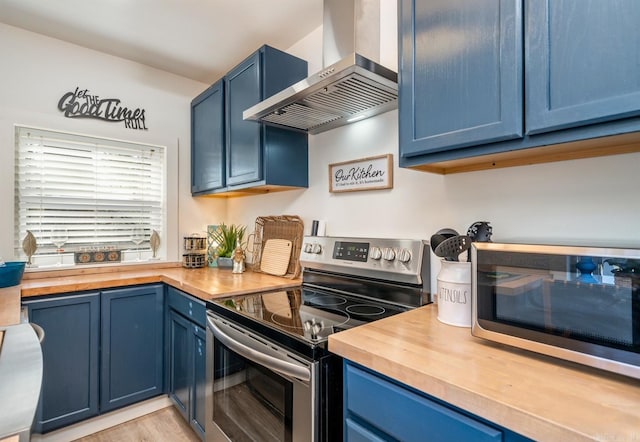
228, 237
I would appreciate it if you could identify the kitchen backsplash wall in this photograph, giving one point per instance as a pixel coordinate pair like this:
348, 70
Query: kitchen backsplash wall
581, 201
578, 201
37, 71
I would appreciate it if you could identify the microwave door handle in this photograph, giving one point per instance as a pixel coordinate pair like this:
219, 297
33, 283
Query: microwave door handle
287, 368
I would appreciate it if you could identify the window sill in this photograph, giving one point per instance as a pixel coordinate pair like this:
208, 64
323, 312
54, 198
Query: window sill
54, 271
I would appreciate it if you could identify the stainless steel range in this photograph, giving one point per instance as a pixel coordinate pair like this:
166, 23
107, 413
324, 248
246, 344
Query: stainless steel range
270, 375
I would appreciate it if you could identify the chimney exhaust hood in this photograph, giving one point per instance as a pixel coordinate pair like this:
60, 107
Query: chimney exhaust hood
352, 85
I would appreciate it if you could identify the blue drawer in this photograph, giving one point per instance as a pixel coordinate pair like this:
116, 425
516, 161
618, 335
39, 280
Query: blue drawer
188, 306
405, 415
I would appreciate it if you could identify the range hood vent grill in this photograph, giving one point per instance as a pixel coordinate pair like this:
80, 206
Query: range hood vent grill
344, 99
353, 88
300, 117
351, 96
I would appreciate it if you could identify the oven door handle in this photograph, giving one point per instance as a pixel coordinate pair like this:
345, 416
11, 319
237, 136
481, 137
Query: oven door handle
286, 368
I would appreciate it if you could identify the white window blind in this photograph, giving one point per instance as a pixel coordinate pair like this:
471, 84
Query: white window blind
96, 191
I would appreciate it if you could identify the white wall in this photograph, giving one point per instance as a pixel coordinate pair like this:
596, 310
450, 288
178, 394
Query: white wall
591, 200
36, 71
582, 201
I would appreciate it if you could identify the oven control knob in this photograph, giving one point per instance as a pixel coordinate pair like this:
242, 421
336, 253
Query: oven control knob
404, 255
375, 253
316, 248
307, 248
388, 254
312, 326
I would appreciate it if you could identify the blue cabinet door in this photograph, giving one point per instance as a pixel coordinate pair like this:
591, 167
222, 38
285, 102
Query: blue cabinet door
132, 345
285, 152
582, 62
179, 363
405, 415
401, 413
207, 140
187, 357
354, 432
230, 154
70, 359
460, 74
243, 88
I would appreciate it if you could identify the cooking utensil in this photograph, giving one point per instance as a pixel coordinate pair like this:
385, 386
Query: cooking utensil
435, 240
440, 236
480, 231
448, 232
276, 256
451, 248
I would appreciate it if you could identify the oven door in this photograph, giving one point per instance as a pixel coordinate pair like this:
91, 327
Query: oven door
256, 390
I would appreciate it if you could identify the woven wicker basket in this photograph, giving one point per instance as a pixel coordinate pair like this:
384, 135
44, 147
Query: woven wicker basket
288, 227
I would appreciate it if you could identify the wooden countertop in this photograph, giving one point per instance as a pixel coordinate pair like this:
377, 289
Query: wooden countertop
10, 305
540, 397
205, 283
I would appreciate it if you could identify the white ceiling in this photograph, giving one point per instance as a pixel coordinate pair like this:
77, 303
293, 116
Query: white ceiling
197, 39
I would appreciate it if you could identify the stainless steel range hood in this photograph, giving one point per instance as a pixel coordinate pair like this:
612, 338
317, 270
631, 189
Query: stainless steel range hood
351, 86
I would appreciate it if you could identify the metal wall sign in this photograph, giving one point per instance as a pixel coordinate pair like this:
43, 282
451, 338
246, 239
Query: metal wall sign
81, 104
373, 173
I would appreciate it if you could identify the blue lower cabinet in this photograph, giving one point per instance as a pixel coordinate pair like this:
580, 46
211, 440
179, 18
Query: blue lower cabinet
354, 432
186, 359
132, 345
70, 358
179, 349
101, 351
377, 408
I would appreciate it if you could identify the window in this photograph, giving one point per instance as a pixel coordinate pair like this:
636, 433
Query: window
80, 193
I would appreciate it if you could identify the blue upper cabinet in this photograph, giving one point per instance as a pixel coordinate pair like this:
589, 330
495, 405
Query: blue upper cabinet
244, 162
483, 83
583, 62
461, 73
207, 140
254, 157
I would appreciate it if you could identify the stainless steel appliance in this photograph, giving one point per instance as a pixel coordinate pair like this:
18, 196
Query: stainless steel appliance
572, 302
352, 84
270, 375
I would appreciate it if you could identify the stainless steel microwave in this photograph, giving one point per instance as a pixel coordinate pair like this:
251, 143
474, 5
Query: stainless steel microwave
576, 303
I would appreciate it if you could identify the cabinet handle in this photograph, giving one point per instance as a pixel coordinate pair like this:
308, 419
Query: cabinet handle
254, 354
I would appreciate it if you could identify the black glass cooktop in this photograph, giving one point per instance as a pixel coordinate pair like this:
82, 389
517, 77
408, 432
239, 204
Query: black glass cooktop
307, 314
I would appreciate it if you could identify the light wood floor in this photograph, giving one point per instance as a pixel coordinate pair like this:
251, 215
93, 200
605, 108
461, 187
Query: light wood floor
164, 425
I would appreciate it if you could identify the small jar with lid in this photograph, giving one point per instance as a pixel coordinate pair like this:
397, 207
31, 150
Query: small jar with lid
195, 247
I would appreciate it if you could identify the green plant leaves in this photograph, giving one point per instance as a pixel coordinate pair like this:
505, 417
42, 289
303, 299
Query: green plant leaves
228, 238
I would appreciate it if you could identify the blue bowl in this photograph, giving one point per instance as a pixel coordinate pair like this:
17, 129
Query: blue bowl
11, 273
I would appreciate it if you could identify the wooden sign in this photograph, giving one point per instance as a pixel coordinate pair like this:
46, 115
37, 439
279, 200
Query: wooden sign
371, 173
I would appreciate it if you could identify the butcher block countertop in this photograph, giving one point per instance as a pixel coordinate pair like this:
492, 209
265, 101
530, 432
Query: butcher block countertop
10, 305
540, 397
205, 283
